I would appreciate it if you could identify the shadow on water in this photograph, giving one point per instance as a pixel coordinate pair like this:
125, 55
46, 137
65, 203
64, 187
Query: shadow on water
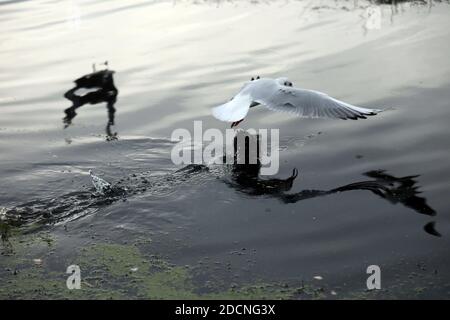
106, 91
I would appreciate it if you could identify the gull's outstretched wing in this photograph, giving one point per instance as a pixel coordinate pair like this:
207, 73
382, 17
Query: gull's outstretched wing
234, 110
310, 104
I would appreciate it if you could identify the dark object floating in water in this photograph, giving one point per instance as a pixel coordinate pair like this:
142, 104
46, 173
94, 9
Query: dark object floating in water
106, 91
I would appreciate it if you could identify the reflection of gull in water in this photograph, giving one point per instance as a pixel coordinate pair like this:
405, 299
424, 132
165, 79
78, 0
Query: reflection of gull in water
280, 95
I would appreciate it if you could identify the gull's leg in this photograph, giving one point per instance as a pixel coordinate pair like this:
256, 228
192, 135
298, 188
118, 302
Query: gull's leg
234, 124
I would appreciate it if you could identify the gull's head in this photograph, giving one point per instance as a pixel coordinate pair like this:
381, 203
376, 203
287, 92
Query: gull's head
284, 82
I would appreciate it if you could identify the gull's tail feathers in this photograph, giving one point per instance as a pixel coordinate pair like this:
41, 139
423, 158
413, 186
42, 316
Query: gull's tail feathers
234, 110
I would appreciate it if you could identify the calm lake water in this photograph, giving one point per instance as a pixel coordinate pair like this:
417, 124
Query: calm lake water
368, 192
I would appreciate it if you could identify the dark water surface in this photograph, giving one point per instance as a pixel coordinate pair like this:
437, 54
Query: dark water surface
368, 192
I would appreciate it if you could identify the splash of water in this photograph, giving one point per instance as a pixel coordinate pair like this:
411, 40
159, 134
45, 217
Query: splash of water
101, 186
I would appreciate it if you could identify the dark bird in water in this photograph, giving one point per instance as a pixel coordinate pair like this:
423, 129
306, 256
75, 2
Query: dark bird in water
106, 91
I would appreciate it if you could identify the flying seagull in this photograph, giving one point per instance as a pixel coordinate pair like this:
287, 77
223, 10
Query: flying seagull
280, 95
